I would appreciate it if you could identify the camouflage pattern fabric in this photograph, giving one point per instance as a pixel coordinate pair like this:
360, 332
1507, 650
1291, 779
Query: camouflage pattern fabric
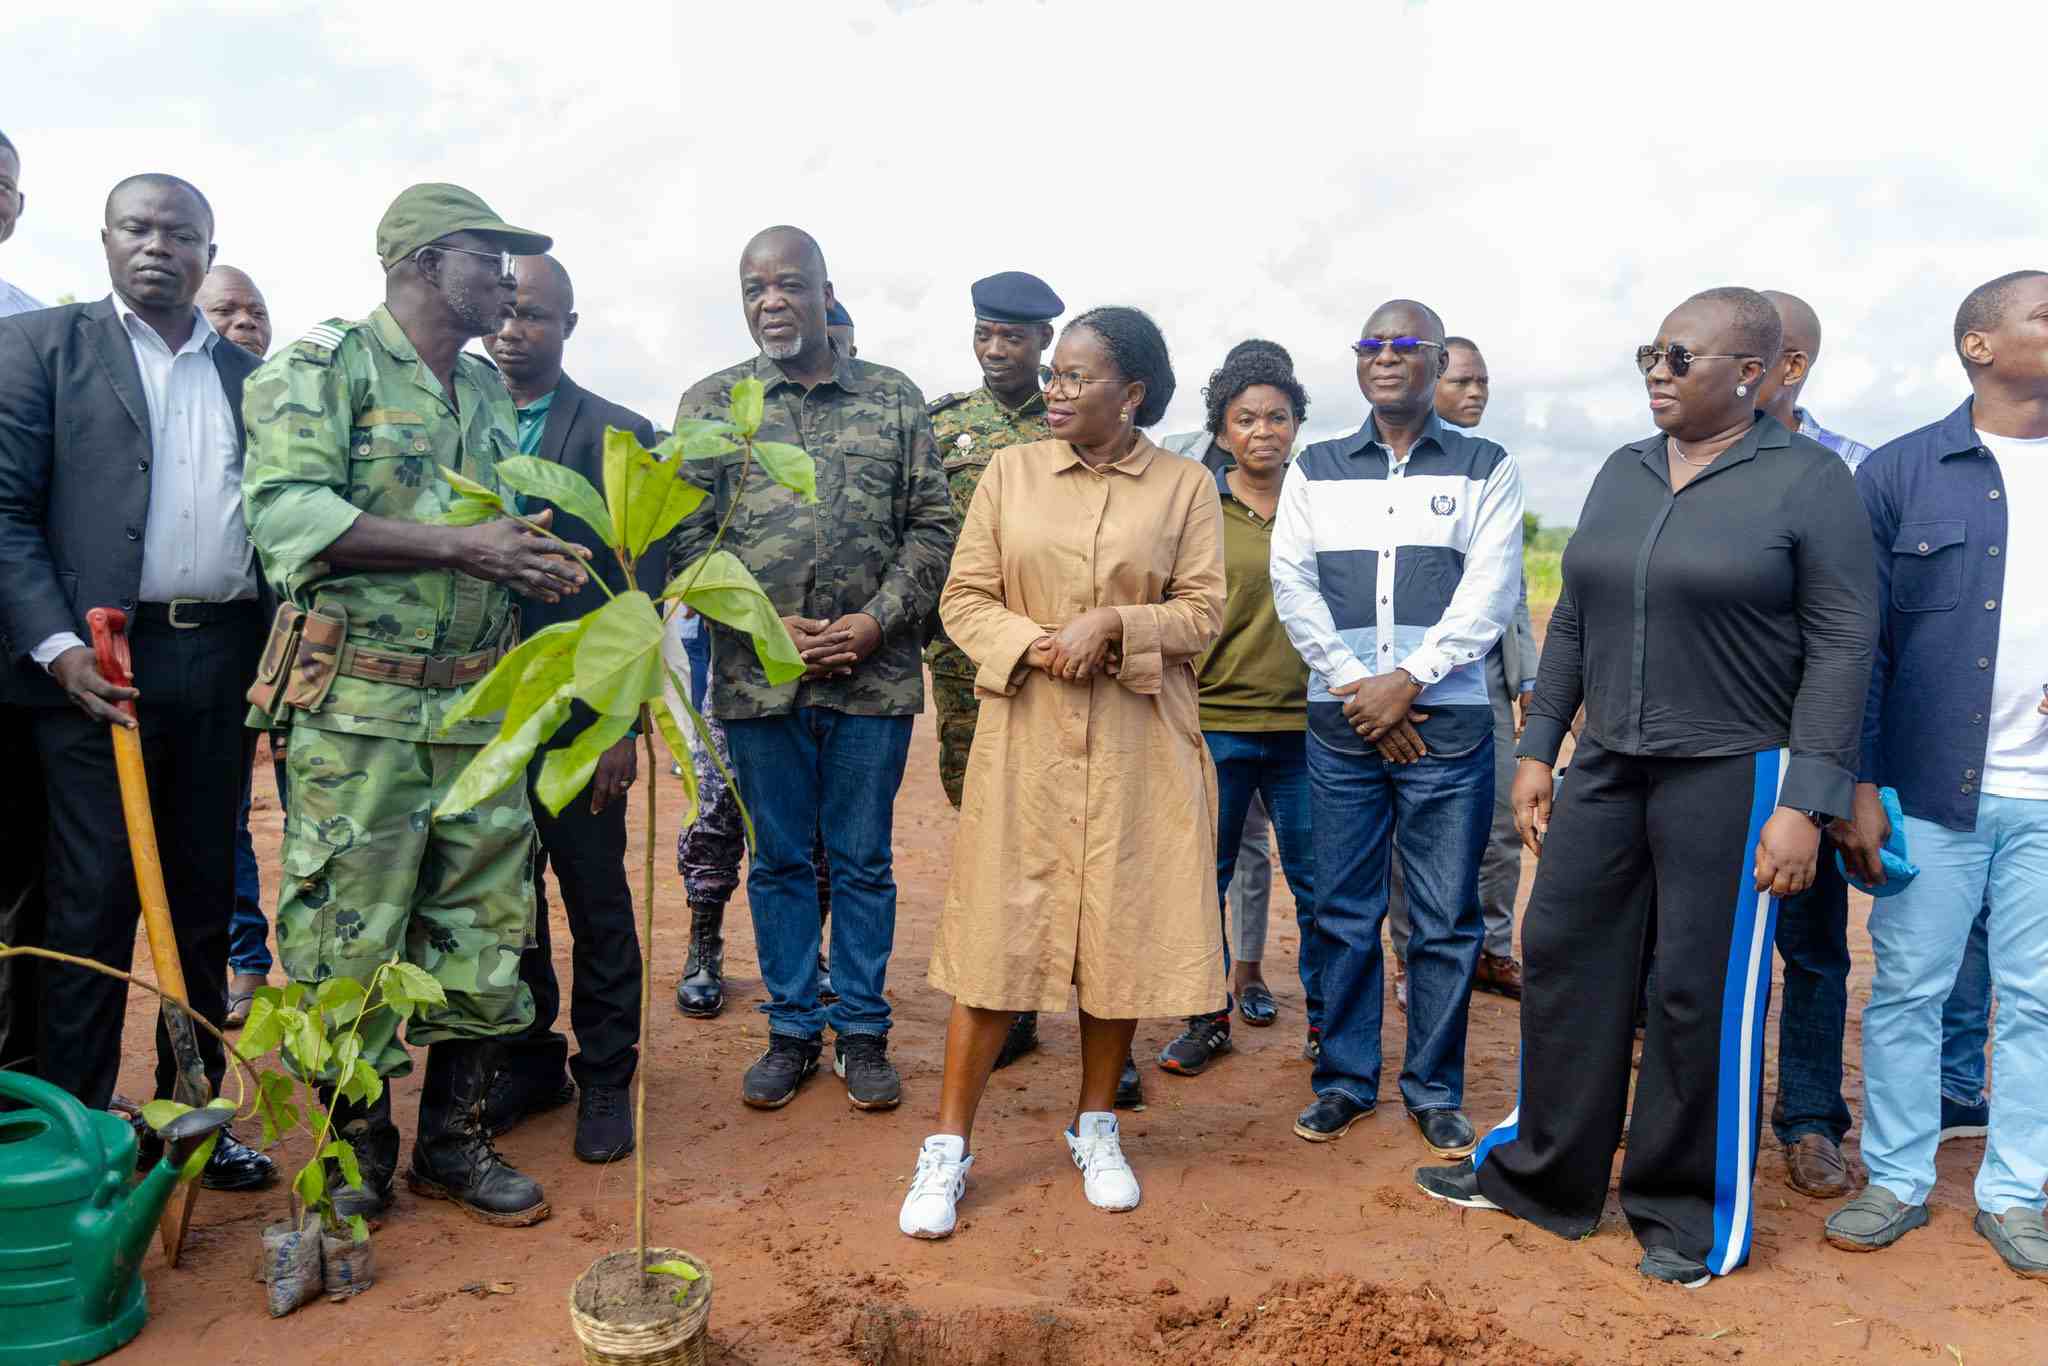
369, 872
345, 421
878, 540
708, 853
969, 428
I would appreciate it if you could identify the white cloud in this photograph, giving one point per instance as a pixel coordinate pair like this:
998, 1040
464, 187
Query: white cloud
1552, 178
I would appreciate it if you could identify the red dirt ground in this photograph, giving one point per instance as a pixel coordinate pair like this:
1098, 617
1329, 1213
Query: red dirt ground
1251, 1246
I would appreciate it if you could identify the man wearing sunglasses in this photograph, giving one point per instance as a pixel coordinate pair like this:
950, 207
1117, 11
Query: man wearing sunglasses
389, 616
1397, 560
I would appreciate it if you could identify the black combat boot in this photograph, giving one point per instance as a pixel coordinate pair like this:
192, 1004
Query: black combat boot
367, 1129
701, 993
452, 1156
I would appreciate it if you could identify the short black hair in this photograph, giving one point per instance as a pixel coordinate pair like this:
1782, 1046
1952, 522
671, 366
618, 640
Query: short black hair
1257, 344
1465, 342
1139, 349
1984, 307
1245, 369
1757, 328
160, 180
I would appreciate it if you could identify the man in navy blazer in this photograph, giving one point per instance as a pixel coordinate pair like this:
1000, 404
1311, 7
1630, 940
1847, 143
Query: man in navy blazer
120, 486
559, 420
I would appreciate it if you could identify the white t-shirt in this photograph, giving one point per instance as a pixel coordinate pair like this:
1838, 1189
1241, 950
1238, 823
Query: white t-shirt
2016, 761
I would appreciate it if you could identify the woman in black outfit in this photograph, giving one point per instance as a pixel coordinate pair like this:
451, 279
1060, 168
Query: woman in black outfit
1716, 621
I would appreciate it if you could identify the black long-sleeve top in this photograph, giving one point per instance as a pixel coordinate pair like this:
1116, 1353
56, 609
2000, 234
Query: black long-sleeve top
1734, 616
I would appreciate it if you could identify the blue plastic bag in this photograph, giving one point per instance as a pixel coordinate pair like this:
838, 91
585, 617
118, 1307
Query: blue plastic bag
1898, 869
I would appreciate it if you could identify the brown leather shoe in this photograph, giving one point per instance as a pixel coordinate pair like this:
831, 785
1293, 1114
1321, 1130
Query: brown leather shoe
1500, 975
1401, 985
1814, 1166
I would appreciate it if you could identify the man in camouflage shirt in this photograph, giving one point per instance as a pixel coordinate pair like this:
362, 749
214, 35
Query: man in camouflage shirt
347, 429
855, 576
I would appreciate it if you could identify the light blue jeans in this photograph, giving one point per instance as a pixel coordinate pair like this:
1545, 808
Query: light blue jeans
1919, 936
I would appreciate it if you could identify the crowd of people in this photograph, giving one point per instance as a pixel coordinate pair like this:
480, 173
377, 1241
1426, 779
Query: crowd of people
1780, 662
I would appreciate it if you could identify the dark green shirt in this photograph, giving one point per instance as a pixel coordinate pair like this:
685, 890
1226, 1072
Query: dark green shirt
1251, 679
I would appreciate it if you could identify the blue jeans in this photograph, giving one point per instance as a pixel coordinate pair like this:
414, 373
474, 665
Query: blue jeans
1920, 936
1272, 765
1445, 809
698, 649
816, 770
248, 928
1966, 1019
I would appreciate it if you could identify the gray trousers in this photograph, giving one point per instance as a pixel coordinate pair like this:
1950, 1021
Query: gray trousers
1251, 886
1500, 867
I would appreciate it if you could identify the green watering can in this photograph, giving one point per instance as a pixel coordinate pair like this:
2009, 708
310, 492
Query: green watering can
72, 1231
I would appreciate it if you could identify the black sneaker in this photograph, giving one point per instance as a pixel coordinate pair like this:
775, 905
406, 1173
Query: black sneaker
1675, 1268
1963, 1121
1022, 1039
772, 1081
1457, 1185
604, 1123
1206, 1039
862, 1061
1330, 1117
1446, 1132
1312, 1046
1130, 1088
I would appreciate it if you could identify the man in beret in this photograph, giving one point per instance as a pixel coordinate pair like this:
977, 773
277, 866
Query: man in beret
839, 327
348, 430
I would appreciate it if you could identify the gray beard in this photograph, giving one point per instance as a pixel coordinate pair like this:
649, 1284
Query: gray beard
783, 350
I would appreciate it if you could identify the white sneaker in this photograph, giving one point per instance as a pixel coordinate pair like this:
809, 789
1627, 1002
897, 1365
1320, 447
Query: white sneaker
936, 1187
1106, 1178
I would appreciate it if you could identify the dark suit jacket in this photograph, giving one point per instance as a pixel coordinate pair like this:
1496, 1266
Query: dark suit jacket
574, 437
75, 453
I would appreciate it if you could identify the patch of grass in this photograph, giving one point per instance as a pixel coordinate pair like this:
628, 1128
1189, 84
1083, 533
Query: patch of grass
1545, 578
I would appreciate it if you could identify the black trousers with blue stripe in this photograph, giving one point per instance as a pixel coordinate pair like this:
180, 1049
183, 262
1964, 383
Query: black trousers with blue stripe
1625, 825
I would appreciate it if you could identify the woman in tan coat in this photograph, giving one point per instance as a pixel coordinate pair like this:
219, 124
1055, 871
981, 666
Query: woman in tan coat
1087, 580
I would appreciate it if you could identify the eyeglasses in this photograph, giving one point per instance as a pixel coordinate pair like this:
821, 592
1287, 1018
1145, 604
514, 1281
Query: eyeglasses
1403, 346
1050, 379
1678, 358
503, 258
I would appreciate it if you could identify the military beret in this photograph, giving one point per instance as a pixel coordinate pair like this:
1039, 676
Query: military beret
1015, 297
427, 213
837, 316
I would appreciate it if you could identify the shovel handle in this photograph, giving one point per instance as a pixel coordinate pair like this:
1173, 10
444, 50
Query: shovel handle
109, 627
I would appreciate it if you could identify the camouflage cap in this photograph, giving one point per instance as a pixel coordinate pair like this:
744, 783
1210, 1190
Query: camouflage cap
427, 213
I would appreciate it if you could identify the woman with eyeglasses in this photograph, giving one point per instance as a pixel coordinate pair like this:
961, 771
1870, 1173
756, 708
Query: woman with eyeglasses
1717, 623
1087, 581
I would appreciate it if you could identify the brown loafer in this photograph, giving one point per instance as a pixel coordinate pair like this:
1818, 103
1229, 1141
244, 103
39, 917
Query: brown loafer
1500, 975
1814, 1166
242, 995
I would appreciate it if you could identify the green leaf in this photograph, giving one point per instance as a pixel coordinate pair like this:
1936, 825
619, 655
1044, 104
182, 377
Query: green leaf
545, 675
293, 994
359, 1227
311, 1183
347, 1051
307, 1041
680, 1270
344, 1155
749, 396
566, 770
494, 691
341, 999
678, 748
618, 660
196, 1160
619, 449
221, 1103
503, 761
466, 512
698, 438
789, 466
657, 498
422, 986
560, 485
158, 1113
469, 487
725, 591
274, 1105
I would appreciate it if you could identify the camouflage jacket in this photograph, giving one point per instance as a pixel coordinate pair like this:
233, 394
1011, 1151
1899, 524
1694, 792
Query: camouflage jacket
970, 428
878, 540
347, 420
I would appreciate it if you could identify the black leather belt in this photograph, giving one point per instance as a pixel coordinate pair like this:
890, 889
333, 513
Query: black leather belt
188, 614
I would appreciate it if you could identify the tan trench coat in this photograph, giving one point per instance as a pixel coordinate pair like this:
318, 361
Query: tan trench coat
1087, 845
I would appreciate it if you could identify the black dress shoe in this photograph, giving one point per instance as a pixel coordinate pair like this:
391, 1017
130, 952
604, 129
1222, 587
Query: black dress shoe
1446, 1132
1257, 1005
1022, 1039
772, 1081
1206, 1039
235, 1166
1330, 1117
604, 1123
1130, 1088
516, 1094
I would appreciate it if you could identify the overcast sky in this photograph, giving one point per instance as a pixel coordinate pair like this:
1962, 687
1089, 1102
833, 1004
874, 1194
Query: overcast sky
1553, 178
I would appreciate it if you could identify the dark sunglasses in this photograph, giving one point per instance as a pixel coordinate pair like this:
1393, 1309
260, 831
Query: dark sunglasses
1403, 346
503, 258
1677, 357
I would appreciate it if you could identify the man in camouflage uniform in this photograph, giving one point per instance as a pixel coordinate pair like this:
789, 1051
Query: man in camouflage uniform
1013, 315
346, 430
854, 575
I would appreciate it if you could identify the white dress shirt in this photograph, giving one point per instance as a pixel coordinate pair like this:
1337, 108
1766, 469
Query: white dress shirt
13, 301
194, 544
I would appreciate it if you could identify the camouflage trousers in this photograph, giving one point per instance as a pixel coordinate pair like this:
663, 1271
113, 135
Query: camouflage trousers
958, 708
370, 872
708, 853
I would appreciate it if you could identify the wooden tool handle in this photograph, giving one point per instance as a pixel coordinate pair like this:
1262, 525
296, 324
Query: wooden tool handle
109, 627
